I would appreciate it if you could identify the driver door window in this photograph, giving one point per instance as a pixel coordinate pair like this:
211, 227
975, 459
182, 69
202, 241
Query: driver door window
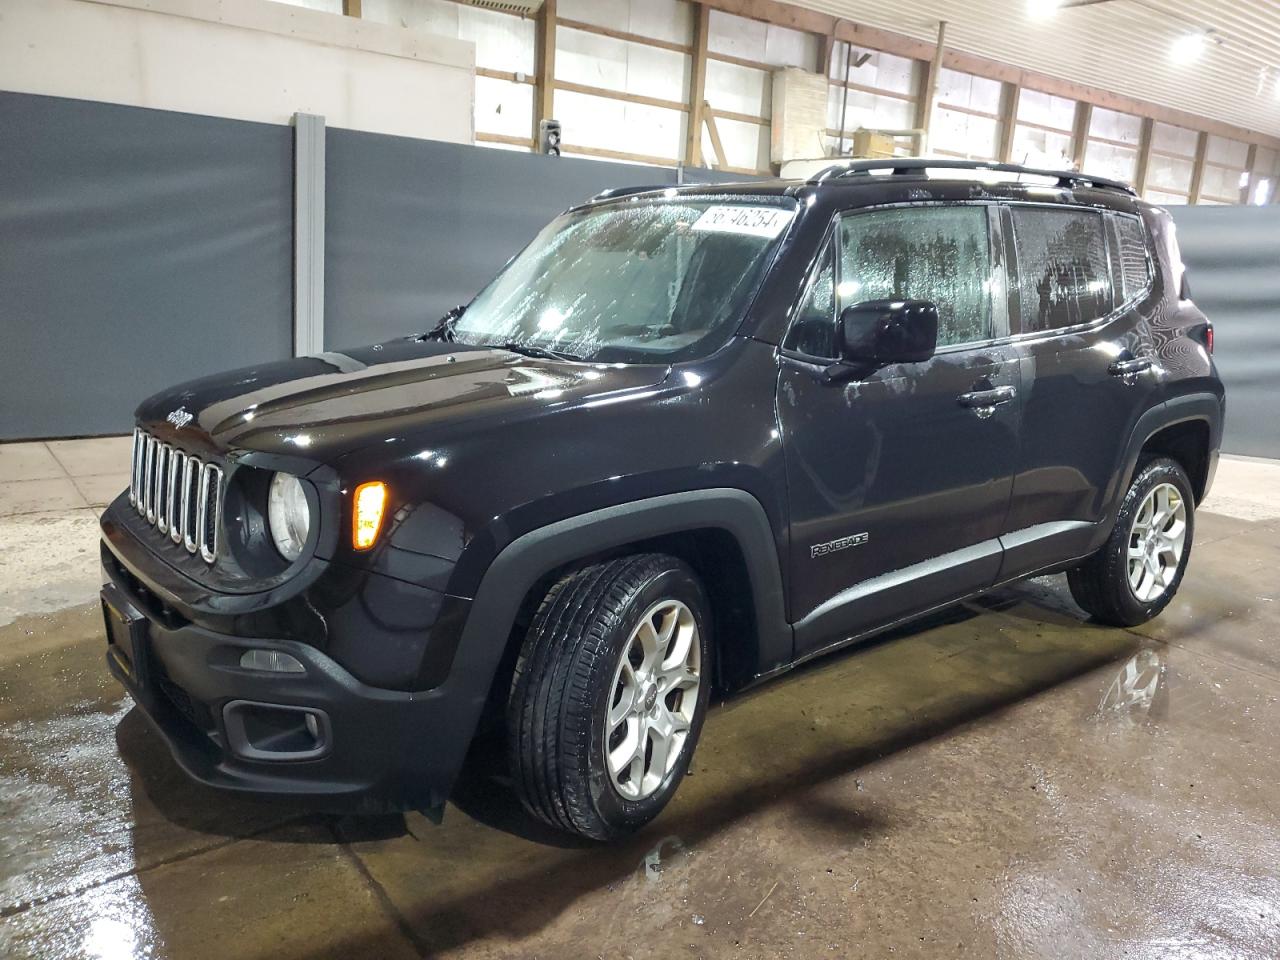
942, 254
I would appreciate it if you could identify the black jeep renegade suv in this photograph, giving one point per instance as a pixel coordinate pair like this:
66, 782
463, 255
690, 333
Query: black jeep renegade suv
686, 439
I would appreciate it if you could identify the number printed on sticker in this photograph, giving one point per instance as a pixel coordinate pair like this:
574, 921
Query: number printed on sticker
753, 220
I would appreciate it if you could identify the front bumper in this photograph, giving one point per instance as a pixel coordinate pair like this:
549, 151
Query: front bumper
377, 749
382, 749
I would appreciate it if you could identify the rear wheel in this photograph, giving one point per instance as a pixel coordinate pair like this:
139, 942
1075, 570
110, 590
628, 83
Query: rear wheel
1138, 570
609, 695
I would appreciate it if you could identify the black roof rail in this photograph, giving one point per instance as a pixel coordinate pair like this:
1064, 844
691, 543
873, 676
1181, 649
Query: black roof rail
906, 166
614, 192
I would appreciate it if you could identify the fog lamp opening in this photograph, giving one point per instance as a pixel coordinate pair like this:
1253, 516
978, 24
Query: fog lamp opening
271, 661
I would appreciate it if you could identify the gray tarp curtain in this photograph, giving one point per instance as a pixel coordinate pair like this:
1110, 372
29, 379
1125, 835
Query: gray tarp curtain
143, 247
415, 227
1233, 258
137, 248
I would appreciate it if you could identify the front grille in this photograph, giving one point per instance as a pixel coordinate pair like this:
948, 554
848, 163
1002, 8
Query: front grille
178, 494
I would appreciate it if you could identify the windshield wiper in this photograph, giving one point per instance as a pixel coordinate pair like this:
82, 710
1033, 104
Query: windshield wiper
444, 330
529, 350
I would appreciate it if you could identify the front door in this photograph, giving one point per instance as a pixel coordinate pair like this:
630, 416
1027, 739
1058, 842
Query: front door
898, 481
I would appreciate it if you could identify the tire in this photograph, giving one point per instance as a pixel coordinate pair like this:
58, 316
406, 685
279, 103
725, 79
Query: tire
569, 676
1102, 583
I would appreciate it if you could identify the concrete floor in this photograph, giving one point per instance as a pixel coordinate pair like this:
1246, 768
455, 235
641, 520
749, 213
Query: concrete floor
1005, 780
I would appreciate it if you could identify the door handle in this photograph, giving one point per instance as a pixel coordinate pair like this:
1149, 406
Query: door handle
984, 402
1127, 368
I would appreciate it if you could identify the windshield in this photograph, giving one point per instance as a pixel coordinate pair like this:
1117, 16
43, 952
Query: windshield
640, 282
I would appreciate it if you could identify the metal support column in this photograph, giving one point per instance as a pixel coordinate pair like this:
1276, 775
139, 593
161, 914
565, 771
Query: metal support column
308, 234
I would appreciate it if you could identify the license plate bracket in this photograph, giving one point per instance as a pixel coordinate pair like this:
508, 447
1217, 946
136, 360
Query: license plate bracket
126, 629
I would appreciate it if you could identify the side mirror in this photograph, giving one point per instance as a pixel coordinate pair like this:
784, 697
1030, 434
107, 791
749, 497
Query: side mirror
888, 331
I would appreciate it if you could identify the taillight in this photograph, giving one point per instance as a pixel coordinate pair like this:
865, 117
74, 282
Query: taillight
1208, 337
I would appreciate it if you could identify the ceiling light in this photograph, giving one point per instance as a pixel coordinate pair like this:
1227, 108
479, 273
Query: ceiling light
1039, 9
1188, 47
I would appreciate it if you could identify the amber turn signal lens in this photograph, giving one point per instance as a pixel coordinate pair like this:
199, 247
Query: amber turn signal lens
370, 500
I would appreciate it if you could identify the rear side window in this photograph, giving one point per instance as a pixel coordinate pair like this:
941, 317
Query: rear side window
1063, 276
1135, 265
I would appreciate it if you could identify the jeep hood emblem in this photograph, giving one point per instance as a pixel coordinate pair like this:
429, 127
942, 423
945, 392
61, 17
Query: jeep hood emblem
180, 418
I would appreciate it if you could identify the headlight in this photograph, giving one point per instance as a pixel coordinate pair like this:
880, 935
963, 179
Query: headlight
288, 516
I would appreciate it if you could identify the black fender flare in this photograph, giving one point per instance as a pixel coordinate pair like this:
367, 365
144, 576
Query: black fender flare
530, 557
1192, 406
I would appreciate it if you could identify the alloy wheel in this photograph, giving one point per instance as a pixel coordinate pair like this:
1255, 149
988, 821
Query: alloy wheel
653, 699
1156, 542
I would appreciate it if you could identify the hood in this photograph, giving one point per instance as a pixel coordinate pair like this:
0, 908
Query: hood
325, 406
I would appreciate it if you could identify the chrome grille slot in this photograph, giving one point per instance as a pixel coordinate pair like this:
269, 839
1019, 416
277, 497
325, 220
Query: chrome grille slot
135, 468
149, 494
190, 499
173, 495
165, 457
178, 494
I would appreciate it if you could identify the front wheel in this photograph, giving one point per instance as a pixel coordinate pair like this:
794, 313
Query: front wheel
1138, 570
609, 695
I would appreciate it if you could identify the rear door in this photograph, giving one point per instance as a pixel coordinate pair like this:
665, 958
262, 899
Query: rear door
898, 484
1084, 278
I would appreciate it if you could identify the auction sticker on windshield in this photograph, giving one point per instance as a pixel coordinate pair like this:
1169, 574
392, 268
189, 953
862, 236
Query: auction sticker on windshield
753, 220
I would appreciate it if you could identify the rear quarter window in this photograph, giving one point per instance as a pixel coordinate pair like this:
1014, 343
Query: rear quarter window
1135, 263
1064, 279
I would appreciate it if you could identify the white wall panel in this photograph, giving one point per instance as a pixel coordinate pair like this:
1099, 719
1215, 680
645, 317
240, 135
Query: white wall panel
1034, 147
882, 70
436, 16
1233, 153
325, 6
502, 42
504, 107
1111, 125
590, 59
1109, 160
966, 90
608, 124
1170, 139
791, 48
240, 59
964, 133
740, 89
746, 145
1266, 161
766, 43
1221, 183
597, 61
669, 20
489, 145
1047, 110
869, 110
736, 36
1166, 174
